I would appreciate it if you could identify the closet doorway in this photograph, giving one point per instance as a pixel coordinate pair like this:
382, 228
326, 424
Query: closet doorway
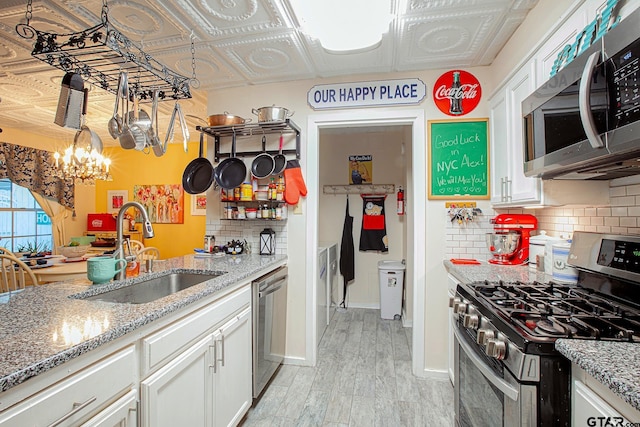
395, 139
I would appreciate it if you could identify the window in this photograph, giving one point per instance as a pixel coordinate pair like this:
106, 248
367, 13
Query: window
23, 224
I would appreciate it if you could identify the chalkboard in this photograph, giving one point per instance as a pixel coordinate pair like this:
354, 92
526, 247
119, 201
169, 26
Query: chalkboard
459, 159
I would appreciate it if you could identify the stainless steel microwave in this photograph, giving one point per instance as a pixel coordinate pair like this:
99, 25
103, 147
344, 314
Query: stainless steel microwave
584, 122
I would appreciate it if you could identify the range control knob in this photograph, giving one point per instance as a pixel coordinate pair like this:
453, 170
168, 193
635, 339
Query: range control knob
496, 348
460, 308
484, 335
471, 321
453, 301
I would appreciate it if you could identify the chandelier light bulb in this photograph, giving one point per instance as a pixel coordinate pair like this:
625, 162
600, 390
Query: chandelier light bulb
84, 164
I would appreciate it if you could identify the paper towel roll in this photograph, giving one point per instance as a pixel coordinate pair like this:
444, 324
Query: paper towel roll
562, 272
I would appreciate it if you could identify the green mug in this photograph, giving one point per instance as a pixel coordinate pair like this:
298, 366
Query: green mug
102, 269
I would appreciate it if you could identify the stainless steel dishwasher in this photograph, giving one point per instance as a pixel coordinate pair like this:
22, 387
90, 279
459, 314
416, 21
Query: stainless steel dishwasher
269, 304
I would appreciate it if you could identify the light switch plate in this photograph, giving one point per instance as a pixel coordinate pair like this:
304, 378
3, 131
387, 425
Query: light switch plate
297, 210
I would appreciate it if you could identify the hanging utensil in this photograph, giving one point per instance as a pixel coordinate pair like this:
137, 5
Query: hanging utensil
279, 160
185, 129
262, 166
115, 123
199, 173
172, 121
231, 172
126, 138
138, 124
152, 133
83, 136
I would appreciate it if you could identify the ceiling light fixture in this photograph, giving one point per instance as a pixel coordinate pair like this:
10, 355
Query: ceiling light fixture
344, 26
83, 164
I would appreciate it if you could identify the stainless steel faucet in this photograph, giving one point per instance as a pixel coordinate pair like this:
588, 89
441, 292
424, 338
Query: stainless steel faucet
147, 231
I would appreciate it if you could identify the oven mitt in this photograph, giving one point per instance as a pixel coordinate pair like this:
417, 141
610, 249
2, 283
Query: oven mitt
294, 185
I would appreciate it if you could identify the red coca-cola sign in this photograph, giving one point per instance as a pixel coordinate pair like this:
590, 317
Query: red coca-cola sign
457, 92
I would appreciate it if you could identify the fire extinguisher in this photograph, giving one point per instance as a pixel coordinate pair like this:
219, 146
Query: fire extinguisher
400, 201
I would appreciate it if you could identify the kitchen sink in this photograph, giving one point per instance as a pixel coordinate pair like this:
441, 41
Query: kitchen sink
152, 289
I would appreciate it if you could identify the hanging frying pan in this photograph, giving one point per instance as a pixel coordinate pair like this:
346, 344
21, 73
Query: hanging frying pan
198, 175
262, 166
279, 160
231, 172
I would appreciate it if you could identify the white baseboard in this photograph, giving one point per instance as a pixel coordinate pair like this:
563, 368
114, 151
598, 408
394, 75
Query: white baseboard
297, 361
406, 322
434, 374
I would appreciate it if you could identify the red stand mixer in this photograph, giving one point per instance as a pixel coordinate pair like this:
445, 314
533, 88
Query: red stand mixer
509, 243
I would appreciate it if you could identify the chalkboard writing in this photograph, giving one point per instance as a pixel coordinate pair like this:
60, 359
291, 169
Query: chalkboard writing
458, 159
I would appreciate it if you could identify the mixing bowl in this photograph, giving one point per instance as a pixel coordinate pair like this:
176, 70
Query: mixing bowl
503, 244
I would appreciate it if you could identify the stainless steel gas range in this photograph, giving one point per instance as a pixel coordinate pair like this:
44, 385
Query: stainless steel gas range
508, 372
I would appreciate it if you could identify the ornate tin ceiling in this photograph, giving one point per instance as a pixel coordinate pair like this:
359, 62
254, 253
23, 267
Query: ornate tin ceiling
238, 42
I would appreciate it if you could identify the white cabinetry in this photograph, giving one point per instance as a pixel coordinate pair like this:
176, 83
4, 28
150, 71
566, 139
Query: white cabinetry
452, 282
122, 413
232, 381
206, 376
75, 399
592, 402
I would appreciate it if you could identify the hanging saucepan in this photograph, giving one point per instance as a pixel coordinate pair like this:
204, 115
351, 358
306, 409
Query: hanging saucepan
272, 114
279, 160
262, 166
198, 175
226, 119
231, 172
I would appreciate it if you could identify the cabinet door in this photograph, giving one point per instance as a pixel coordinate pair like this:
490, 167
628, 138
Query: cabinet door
122, 413
179, 394
589, 408
499, 145
521, 85
232, 394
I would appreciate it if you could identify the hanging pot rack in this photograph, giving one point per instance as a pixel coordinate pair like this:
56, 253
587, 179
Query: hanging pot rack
100, 53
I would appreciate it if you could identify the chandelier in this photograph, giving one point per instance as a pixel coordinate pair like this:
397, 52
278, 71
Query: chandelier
83, 164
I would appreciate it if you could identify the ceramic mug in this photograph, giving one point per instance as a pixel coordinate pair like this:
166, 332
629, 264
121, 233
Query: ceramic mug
102, 269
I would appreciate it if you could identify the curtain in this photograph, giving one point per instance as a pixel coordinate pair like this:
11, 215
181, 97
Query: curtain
35, 169
58, 214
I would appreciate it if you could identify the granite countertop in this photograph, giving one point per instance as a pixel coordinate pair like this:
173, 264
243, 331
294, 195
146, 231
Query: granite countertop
467, 273
615, 364
42, 327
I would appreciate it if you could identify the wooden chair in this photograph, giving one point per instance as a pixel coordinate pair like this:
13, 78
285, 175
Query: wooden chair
150, 252
135, 246
15, 274
6, 251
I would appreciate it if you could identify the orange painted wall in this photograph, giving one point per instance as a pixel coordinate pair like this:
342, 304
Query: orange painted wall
131, 167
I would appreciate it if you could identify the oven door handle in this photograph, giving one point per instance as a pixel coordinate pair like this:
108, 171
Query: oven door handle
506, 388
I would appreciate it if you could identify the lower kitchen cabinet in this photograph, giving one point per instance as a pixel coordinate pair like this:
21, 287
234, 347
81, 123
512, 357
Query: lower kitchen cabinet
76, 398
232, 368
452, 282
180, 392
122, 413
210, 382
593, 403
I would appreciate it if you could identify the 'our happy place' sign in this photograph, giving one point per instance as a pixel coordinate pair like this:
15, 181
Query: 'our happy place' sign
367, 94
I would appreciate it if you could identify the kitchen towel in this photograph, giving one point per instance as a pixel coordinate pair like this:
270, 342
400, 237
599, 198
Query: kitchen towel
347, 253
373, 236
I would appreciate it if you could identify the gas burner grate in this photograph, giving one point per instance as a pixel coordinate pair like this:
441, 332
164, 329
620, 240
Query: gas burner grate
555, 310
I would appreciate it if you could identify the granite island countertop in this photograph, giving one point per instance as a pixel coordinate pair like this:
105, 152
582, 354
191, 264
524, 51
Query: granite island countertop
34, 332
615, 364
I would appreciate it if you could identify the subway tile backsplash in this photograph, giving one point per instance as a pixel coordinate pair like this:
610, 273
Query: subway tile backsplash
622, 216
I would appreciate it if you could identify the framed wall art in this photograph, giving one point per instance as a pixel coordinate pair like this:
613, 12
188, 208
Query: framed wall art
115, 200
199, 204
164, 202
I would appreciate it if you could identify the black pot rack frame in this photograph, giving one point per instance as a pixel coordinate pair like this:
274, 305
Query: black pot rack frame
100, 53
285, 127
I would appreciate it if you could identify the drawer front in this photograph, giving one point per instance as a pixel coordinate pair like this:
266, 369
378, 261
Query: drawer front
78, 396
158, 348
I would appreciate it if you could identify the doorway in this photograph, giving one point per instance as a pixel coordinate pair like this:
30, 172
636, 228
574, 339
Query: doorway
413, 123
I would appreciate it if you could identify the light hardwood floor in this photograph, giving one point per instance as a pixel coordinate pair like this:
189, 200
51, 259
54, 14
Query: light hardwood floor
362, 378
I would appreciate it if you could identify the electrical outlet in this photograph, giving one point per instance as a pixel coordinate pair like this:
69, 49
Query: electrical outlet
297, 209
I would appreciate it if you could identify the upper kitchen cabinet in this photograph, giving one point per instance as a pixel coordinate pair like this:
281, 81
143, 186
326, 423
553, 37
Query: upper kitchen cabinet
509, 186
